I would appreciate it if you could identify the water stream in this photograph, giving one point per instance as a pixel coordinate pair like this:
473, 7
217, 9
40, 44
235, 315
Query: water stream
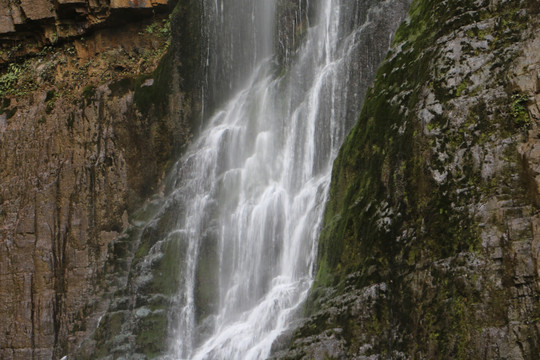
250, 192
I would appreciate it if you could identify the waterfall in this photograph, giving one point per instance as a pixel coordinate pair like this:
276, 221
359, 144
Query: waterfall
245, 202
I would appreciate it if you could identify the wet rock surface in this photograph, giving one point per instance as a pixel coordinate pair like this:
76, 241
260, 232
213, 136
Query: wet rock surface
142, 271
430, 245
82, 144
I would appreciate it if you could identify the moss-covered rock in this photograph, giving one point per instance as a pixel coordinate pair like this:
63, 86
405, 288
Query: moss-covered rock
151, 334
418, 256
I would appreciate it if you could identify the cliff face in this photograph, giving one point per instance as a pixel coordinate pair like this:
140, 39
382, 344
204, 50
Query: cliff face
27, 25
145, 272
430, 246
86, 130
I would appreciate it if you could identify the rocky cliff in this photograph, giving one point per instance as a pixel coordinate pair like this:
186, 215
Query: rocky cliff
430, 247
87, 126
27, 25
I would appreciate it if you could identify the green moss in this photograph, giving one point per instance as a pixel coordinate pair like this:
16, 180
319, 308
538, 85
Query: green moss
519, 110
110, 326
154, 232
387, 166
151, 335
461, 87
148, 239
415, 25
88, 92
350, 239
167, 270
155, 96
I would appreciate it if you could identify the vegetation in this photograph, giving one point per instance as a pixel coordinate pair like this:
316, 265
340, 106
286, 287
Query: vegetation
59, 67
404, 185
519, 110
16, 80
162, 28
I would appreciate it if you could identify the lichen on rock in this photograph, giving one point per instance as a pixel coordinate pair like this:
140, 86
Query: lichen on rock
428, 204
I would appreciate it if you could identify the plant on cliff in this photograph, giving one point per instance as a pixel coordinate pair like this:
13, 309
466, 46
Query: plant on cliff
9, 79
162, 29
519, 110
17, 80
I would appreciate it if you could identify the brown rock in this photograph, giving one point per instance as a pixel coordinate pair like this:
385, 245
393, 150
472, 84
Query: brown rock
6, 24
120, 4
63, 2
37, 9
41, 22
4, 8
16, 14
67, 183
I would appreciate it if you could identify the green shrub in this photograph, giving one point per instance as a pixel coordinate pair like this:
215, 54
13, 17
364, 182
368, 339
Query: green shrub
519, 110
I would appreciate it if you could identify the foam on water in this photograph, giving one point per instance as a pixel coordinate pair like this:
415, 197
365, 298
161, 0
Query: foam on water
252, 187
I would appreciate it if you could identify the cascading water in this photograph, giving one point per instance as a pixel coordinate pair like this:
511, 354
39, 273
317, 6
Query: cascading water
247, 197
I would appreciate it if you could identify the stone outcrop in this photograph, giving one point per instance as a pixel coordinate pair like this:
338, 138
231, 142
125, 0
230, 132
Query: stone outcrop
430, 246
27, 25
87, 128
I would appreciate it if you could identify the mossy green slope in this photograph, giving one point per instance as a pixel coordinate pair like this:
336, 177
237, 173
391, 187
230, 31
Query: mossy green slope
384, 166
417, 251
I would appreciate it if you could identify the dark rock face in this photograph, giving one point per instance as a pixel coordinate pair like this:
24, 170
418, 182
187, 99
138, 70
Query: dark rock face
292, 22
40, 22
430, 242
86, 131
430, 247
142, 271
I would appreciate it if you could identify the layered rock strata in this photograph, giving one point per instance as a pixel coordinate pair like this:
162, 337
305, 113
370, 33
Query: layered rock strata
34, 23
87, 128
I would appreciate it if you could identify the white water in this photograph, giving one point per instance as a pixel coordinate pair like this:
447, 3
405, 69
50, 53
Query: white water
252, 188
